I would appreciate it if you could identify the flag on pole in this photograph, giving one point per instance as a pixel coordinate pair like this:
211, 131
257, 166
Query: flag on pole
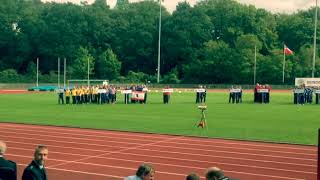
287, 51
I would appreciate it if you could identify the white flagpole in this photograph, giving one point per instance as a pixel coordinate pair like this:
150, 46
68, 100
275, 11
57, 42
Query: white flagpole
315, 39
284, 63
58, 72
37, 71
88, 73
158, 72
64, 72
255, 65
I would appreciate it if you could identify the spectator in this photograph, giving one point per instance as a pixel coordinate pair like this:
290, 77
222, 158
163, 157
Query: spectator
214, 173
8, 169
193, 176
36, 170
144, 172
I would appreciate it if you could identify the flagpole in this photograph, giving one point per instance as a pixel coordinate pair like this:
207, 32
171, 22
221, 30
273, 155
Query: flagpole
37, 71
255, 65
88, 72
315, 39
64, 72
158, 72
284, 62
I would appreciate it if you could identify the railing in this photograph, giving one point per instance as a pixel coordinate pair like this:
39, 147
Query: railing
208, 86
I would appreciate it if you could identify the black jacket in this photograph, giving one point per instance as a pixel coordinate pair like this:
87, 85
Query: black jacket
8, 169
33, 172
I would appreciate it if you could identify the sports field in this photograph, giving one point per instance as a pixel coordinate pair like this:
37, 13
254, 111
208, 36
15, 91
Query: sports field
279, 121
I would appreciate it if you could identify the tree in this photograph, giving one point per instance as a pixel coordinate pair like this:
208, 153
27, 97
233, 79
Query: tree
122, 4
80, 66
107, 65
183, 35
136, 36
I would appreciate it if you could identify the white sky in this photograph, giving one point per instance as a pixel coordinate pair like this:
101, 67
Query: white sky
286, 6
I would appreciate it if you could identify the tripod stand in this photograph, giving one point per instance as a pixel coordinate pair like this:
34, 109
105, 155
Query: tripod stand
202, 122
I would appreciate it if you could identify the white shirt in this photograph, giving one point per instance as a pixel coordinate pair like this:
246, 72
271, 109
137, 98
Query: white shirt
132, 178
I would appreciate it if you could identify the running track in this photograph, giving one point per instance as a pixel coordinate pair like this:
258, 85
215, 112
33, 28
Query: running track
85, 154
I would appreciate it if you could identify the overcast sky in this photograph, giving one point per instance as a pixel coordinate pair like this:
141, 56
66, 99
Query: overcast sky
286, 6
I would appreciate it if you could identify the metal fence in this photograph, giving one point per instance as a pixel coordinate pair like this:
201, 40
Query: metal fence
208, 86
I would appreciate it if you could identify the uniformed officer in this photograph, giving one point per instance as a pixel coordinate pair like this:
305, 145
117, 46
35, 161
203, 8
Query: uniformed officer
60, 96
36, 170
8, 168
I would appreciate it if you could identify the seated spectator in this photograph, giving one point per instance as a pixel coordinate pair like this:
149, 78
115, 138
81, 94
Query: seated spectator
214, 173
144, 172
193, 176
8, 169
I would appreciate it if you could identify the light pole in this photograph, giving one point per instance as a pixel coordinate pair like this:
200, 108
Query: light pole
158, 69
315, 39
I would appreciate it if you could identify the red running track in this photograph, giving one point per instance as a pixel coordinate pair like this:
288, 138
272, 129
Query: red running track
86, 154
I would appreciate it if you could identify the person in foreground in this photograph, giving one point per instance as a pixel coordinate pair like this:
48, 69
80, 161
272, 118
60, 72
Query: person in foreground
36, 170
214, 173
193, 176
8, 169
144, 172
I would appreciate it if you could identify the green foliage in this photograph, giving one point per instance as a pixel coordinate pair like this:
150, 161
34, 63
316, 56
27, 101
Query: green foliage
9, 76
80, 66
107, 65
171, 77
136, 77
279, 121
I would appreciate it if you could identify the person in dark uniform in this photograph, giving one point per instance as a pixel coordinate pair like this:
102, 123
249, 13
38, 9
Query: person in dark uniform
166, 95
60, 96
214, 173
317, 92
8, 169
204, 94
36, 170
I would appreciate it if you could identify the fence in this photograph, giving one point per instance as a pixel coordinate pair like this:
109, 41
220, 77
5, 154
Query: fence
208, 86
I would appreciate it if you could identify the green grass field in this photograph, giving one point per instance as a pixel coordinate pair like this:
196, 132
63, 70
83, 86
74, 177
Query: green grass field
279, 121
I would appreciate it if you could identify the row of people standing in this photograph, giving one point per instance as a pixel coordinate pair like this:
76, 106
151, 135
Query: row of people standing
302, 95
88, 94
135, 94
235, 94
201, 94
262, 93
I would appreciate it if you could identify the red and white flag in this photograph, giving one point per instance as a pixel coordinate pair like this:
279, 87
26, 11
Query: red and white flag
287, 51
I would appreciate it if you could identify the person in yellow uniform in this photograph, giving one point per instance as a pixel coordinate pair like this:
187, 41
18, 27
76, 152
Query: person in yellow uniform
68, 94
74, 95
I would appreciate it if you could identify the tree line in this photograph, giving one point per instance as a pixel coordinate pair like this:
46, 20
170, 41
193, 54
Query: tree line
211, 42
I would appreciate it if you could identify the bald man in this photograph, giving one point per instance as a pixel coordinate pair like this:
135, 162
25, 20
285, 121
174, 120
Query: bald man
214, 173
8, 169
36, 170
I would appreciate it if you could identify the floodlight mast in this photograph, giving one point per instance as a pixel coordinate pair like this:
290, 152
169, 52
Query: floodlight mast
159, 43
315, 39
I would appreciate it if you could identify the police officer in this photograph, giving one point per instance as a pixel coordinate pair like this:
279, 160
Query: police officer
36, 170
